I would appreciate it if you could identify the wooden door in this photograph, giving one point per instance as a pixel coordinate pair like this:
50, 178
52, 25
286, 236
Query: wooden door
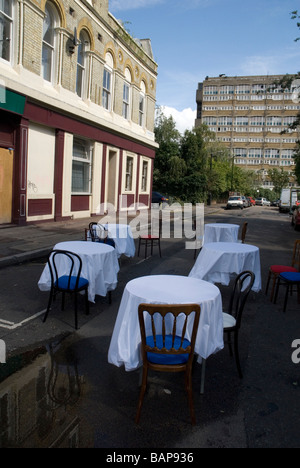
6, 176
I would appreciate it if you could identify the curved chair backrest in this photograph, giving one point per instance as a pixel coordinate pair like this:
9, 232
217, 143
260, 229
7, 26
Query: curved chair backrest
241, 289
98, 232
296, 255
73, 269
169, 329
244, 232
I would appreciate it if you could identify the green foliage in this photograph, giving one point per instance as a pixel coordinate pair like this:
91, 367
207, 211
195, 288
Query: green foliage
280, 180
194, 167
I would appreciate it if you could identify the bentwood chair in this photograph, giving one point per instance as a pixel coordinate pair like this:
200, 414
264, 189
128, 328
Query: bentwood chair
168, 351
70, 282
276, 270
233, 317
289, 280
99, 233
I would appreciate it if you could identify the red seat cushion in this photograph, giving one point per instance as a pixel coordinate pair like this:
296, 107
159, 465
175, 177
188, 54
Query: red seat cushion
282, 269
152, 237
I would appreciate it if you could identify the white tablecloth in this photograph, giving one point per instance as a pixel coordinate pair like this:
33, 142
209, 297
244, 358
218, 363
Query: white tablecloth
123, 237
219, 261
100, 267
165, 289
221, 232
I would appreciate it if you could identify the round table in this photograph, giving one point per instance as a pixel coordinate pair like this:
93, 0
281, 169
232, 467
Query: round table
165, 289
221, 232
123, 237
100, 267
219, 261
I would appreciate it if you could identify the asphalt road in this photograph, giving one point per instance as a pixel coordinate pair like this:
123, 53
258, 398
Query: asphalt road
262, 410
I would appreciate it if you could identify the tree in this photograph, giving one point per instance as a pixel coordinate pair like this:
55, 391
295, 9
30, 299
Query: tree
279, 178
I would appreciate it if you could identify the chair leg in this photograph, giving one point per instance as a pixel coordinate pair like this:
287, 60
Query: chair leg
190, 396
87, 306
142, 394
276, 291
286, 297
48, 307
159, 248
275, 278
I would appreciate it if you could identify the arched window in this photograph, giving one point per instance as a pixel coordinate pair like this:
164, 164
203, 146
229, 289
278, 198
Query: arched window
6, 22
83, 47
107, 81
127, 95
142, 105
49, 42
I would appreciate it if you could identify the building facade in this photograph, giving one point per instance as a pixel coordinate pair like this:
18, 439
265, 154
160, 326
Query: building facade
248, 115
77, 109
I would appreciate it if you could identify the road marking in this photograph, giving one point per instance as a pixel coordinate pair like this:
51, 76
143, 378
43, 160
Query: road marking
12, 325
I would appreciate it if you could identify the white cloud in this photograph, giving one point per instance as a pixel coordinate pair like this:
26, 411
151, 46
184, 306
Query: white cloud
185, 119
118, 5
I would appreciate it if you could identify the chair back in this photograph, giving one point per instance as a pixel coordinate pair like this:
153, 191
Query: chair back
241, 289
173, 329
98, 232
296, 255
67, 264
244, 232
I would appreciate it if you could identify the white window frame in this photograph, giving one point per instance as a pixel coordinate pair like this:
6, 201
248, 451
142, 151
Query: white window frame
145, 178
9, 18
50, 47
85, 160
83, 47
107, 88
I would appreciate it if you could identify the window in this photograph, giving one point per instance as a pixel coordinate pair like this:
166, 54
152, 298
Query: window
5, 29
107, 82
129, 174
142, 105
144, 182
81, 166
81, 64
126, 95
49, 42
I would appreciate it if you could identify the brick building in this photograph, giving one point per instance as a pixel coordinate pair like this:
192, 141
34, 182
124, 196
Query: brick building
248, 115
77, 109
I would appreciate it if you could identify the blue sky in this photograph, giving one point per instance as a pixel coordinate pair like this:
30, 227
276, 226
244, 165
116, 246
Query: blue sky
192, 39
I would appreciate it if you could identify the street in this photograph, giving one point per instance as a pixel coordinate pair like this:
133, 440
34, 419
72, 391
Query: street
262, 410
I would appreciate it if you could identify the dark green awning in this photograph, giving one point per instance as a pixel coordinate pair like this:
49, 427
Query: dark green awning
11, 101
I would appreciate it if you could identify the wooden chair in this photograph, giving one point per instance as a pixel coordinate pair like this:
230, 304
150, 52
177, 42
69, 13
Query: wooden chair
168, 351
70, 282
244, 232
151, 240
233, 317
276, 270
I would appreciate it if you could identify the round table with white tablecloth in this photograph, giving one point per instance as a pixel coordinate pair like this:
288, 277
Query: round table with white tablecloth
100, 267
219, 261
221, 232
165, 289
123, 237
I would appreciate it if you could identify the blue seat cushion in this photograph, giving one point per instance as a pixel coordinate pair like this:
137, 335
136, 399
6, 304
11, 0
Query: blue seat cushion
290, 276
167, 359
63, 283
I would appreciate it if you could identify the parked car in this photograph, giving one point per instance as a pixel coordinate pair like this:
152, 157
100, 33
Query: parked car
245, 201
159, 198
275, 202
251, 201
262, 202
296, 218
235, 202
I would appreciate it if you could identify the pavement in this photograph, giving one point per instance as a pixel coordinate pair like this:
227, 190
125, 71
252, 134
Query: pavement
260, 411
